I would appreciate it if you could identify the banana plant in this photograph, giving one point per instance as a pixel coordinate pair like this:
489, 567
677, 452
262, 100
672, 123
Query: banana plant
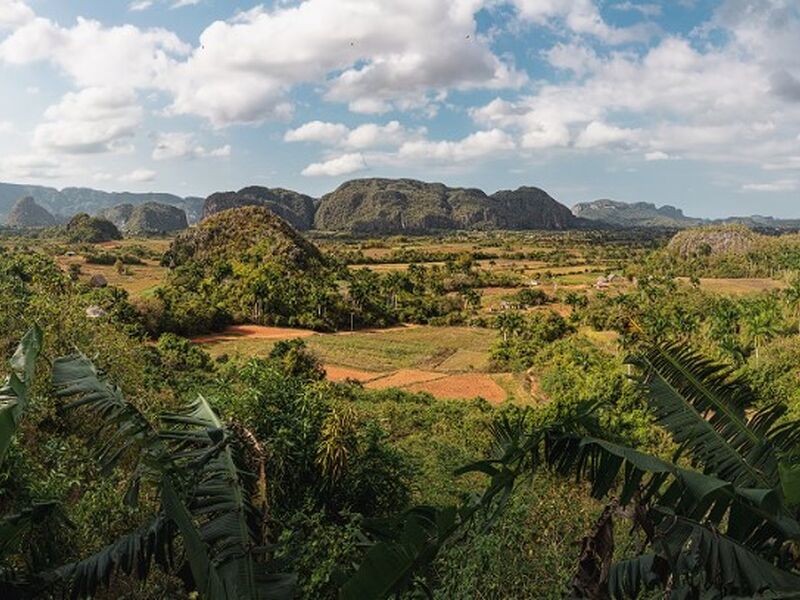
204, 497
14, 395
719, 519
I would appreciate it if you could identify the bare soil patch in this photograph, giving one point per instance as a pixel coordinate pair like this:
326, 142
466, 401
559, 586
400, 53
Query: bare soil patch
262, 332
466, 385
404, 378
339, 374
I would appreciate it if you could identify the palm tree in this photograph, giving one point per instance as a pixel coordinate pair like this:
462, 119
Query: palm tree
509, 323
761, 324
791, 295
717, 520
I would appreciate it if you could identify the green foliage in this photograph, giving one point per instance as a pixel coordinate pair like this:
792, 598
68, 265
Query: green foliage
715, 528
179, 354
523, 336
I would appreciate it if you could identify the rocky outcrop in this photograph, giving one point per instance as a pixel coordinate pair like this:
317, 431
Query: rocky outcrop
146, 219
637, 214
26, 213
295, 208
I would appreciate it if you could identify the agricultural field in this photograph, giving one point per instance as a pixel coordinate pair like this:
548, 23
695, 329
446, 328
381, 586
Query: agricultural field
447, 362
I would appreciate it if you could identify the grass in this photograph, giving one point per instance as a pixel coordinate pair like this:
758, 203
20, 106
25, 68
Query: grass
738, 287
441, 348
138, 280
417, 347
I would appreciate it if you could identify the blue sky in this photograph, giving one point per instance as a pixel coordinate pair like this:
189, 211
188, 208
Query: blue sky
694, 103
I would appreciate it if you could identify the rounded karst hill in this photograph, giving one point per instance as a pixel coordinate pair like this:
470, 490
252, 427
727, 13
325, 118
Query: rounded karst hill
146, 219
294, 207
530, 207
250, 232
91, 230
719, 239
384, 206
27, 213
380, 206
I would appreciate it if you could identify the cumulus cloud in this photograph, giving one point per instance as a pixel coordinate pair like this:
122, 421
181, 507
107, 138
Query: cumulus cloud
718, 104
31, 167
602, 134
98, 119
94, 55
477, 145
340, 165
140, 5
172, 145
643, 8
317, 131
368, 135
580, 17
375, 56
781, 185
656, 155
14, 13
139, 176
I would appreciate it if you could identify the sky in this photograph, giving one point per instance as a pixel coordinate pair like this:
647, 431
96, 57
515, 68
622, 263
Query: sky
693, 103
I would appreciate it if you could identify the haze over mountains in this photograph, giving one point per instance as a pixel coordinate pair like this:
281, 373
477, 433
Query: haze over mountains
374, 206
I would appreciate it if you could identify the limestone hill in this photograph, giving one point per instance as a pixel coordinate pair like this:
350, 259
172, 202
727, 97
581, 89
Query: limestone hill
294, 207
91, 230
146, 219
241, 234
637, 214
383, 206
26, 213
713, 240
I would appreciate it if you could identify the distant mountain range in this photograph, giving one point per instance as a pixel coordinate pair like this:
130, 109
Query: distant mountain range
372, 206
70, 201
644, 214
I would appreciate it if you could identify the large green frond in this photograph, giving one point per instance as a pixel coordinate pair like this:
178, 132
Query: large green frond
15, 390
703, 407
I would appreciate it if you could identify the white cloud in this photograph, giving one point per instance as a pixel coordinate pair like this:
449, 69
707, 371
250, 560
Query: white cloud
93, 120
31, 167
317, 131
6, 127
94, 55
580, 17
14, 13
140, 5
717, 105
340, 165
781, 185
602, 134
644, 8
221, 152
182, 3
656, 155
376, 56
477, 145
368, 135
172, 145
139, 176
